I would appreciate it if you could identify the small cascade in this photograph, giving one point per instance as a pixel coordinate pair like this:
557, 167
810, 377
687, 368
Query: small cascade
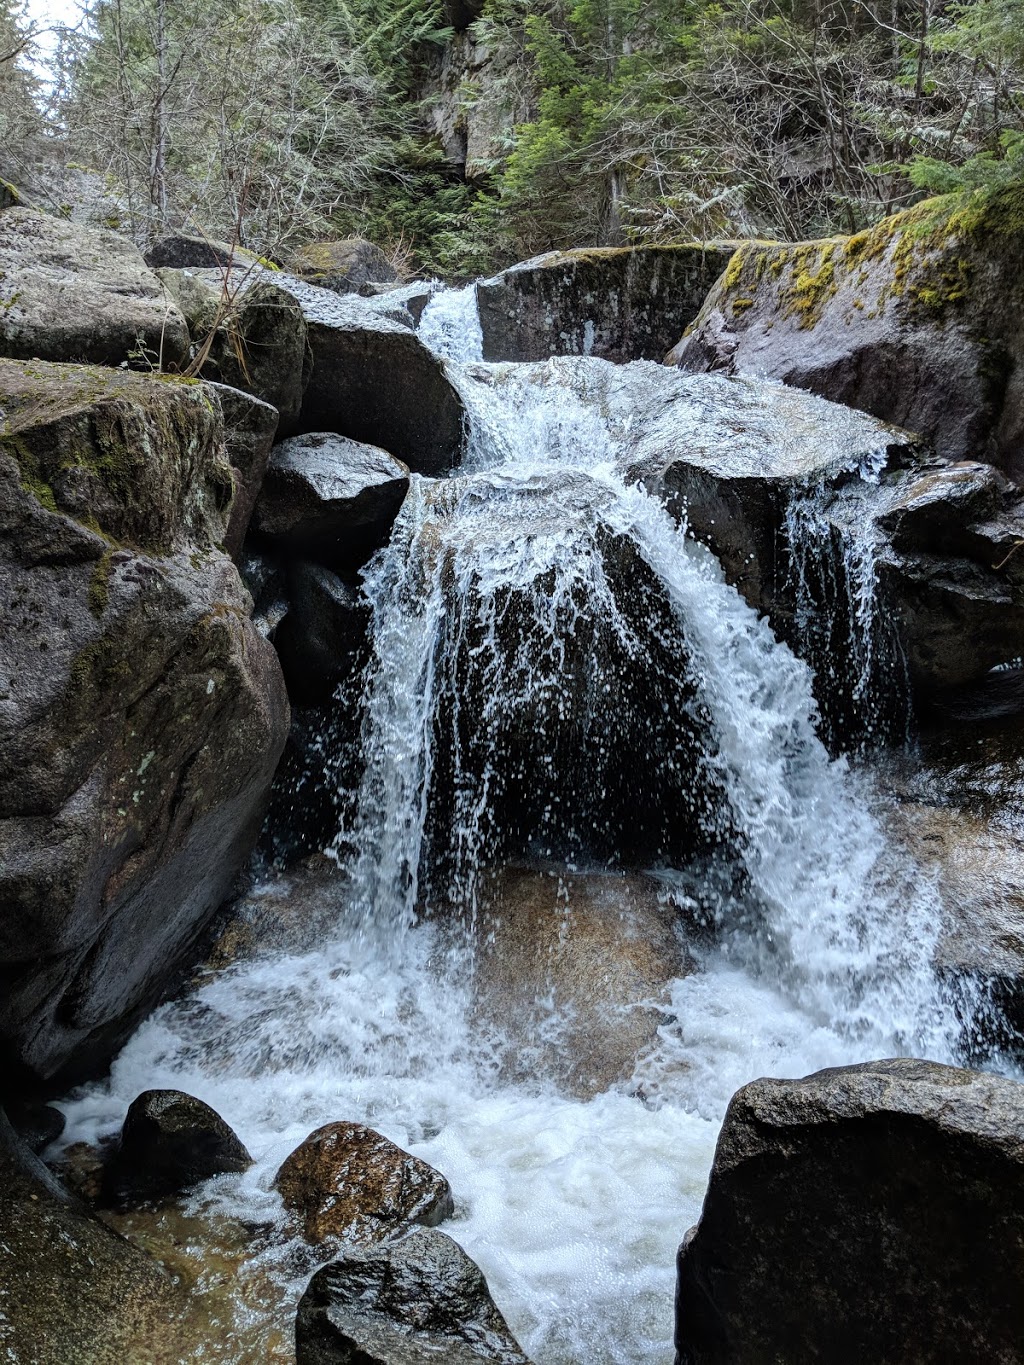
562, 682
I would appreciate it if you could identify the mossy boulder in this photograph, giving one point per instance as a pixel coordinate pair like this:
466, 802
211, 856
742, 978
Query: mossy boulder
916, 320
75, 293
141, 714
619, 303
343, 266
9, 196
249, 333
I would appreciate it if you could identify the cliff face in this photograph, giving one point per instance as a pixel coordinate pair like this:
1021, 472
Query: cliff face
916, 321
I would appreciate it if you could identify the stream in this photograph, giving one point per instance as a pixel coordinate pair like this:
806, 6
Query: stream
562, 684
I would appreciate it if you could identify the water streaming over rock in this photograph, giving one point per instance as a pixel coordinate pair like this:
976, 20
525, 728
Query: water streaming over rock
561, 677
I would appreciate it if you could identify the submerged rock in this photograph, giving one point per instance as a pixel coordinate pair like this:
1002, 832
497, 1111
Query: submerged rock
867, 1213
916, 320
412, 1302
330, 499
619, 303
343, 266
141, 714
74, 293
71, 1289
169, 1142
569, 968
348, 1182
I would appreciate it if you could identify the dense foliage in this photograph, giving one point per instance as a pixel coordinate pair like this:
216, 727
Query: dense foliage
586, 121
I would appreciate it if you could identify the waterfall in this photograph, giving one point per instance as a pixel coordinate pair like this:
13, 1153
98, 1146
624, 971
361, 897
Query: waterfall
562, 676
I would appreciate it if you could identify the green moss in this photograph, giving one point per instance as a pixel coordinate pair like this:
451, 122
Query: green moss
741, 305
30, 471
99, 585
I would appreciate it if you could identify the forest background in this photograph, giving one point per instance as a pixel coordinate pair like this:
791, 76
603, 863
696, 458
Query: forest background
465, 134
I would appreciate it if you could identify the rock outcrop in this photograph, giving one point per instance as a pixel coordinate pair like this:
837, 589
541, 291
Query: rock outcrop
343, 266
141, 714
330, 499
410, 1302
250, 426
73, 293
169, 1142
349, 1183
619, 303
179, 251
323, 639
868, 1213
916, 320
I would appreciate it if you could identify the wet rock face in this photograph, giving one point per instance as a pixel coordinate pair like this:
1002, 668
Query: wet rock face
871, 1212
74, 293
330, 499
619, 303
142, 714
915, 320
350, 1183
411, 1302
567, 966
323, 640
169, 1142
70, 1288
343, 266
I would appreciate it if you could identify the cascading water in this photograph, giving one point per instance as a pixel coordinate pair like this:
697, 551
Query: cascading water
560, 676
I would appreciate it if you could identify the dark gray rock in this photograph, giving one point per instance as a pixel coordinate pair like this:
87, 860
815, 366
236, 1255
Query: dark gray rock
916, 320
179, 251
349, 1183
461, 13
71, 1289
141, 714
331, 499
323, 640
248, 333
343, 266
374, 381
169, 1142
74, 293
619, 303
868, 1213
418, 1301
250, 426
37, 1125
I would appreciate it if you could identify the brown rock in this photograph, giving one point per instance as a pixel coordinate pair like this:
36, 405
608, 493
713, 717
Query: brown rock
599, 945
348, 1182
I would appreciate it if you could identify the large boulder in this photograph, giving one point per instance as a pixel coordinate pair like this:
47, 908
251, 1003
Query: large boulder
330, 499
75, 293
169, 1142
620, 303
868, 1213
246, 332
71, 1289
374, 380
343, 266
141, 714
352, 1184
417, 1301
916, 320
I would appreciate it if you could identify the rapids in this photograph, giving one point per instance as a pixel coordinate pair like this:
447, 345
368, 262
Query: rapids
550, 648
